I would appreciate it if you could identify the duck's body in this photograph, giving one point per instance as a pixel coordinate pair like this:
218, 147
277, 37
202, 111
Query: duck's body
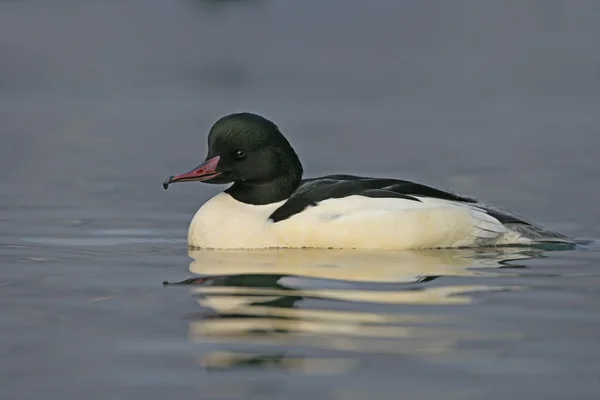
357, 221
269, 206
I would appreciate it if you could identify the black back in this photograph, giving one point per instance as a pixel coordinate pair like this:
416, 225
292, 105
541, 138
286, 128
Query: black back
312, 191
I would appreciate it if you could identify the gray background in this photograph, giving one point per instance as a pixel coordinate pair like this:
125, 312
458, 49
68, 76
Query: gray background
100, 101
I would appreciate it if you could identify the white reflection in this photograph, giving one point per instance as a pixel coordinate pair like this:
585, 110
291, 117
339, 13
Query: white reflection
250, 301
354, 265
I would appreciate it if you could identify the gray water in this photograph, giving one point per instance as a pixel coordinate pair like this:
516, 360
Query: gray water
100, 101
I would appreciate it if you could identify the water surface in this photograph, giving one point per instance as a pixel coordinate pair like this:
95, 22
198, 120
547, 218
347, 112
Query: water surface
100, 101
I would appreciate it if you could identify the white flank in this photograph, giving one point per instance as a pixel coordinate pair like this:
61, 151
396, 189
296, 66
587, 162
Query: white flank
349, 222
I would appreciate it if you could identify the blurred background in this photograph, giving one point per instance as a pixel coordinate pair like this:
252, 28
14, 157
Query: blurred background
101, 100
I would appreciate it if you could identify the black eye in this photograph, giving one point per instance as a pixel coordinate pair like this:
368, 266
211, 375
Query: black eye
239, 154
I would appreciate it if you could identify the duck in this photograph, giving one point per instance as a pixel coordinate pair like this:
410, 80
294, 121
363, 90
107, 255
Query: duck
270, 205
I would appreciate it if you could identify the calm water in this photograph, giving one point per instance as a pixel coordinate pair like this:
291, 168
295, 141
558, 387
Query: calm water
100, 101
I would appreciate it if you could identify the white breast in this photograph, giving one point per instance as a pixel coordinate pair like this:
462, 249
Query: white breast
223, 222
350, 222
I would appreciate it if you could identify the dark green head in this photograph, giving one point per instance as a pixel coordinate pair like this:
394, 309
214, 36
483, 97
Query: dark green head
249, 151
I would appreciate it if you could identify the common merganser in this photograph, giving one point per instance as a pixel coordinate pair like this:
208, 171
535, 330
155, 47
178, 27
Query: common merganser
269, 205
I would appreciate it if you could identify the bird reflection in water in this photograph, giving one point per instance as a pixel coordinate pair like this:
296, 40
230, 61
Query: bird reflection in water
313, 311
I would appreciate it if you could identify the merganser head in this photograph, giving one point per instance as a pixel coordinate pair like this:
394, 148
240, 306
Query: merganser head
250, 151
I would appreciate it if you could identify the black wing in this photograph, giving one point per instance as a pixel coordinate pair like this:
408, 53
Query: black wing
312, 191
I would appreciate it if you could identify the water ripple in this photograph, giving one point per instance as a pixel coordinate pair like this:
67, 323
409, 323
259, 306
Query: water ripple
288, 308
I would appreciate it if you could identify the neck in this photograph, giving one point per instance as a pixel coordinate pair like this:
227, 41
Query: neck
261, 193
279, 188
